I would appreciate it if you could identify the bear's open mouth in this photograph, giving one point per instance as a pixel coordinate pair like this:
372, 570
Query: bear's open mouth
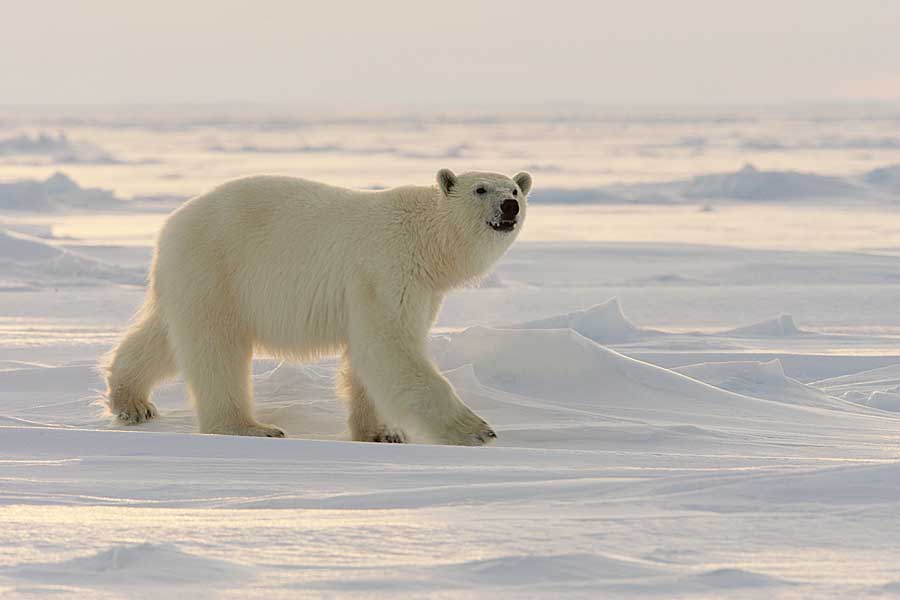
503, 225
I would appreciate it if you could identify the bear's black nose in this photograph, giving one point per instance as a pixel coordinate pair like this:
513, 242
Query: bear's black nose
509, 208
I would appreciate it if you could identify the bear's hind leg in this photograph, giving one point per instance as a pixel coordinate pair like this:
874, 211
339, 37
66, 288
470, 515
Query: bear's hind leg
365, 424
217, 369
137, 364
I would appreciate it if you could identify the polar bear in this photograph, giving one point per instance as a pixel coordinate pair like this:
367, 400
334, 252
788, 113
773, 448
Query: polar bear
301, 270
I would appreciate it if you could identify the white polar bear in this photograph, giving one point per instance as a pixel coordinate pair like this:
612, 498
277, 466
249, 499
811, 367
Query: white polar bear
300, 270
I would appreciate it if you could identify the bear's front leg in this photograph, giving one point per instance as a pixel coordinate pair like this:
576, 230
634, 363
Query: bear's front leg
365, 423
406, 388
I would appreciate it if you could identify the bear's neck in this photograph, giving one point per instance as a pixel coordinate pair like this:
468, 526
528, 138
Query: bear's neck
452, 253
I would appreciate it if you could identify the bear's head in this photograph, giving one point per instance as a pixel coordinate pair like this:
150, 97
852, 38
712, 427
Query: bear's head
480, 214
488, 203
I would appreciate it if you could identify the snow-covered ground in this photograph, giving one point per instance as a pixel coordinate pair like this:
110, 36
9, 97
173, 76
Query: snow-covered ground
693, 367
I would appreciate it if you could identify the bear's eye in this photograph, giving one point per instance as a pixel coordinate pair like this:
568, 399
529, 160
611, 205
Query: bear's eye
481, 190
515, 192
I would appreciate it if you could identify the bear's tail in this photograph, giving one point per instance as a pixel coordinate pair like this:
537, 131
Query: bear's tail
142, 359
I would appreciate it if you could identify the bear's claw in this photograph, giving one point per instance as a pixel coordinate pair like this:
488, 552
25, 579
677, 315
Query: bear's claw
137, 412
468, 429
486, 436
390, 436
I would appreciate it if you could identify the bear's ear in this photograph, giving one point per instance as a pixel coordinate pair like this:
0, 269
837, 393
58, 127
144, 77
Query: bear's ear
523, 180
446, 180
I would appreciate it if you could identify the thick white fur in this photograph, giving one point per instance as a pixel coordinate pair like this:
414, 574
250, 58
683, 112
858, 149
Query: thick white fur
301, 270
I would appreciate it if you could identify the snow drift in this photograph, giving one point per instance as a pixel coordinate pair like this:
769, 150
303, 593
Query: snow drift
153, 564
761, 380
752, 184
605, 323
56, 193
780, 326
37, 262
885, 178
57, 149
593, 377
875, 388
747, 184
872, 379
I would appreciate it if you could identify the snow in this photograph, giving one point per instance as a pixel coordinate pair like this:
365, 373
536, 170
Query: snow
887, 178
782, 325
58, 149
747, 184
884, 400
34, 262
689, 402
762, 380
752, 184
604, 323
57, 192
154, 564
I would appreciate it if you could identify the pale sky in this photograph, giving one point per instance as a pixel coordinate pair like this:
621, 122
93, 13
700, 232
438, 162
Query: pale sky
384, 53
